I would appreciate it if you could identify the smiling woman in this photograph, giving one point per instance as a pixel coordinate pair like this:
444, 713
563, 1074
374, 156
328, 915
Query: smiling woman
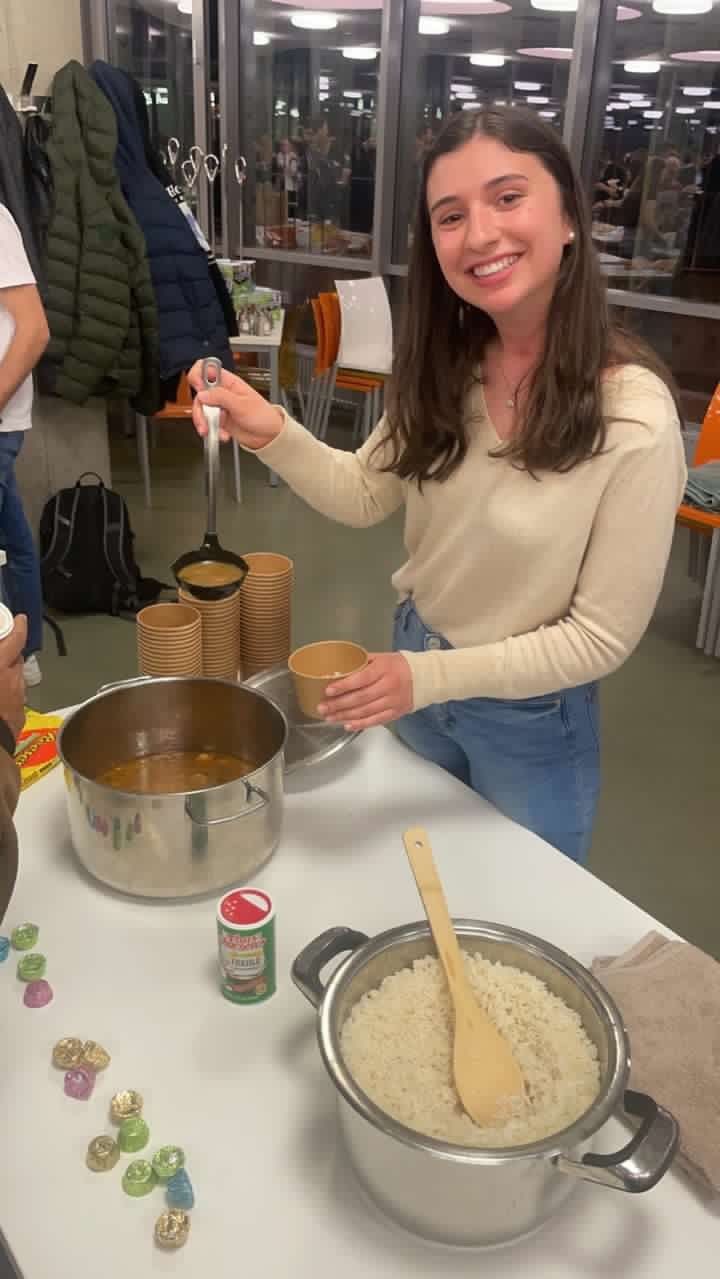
537, 451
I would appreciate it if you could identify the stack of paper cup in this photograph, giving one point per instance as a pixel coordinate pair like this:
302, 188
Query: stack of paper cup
220, 633
265, 612
169, 640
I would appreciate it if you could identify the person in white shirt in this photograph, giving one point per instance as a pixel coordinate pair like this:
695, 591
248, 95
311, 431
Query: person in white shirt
23, 337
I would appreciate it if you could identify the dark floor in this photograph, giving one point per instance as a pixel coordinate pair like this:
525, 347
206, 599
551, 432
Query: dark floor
658, 833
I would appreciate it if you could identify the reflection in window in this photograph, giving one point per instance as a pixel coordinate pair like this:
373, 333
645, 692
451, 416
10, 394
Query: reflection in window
656, 198
481, 52
316, 96
154, 43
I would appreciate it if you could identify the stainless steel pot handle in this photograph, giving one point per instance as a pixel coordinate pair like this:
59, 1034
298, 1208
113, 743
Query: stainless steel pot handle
643, 1161
250, 790
310, 962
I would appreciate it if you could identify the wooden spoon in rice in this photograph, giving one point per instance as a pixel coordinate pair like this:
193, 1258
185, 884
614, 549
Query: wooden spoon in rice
487, 1077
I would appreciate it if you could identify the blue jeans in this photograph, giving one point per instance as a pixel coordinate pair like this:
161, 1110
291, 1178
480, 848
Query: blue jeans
537, 760
21, 575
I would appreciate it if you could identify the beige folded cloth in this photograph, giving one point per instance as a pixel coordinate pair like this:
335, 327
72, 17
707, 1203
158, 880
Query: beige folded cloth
669, 995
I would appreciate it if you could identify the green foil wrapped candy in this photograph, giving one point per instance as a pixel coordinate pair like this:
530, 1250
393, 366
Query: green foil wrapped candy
134, 1134
25, 936
139, 1178
167, 1161
31, 967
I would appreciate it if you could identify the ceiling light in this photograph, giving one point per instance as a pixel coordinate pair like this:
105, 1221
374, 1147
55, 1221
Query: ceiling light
358, 53
184, 6
433, 27
642, 67
618, 106
559, 53
527, 86
710, 106
633, 121
694, 91
652, 115
314, 20
539, 102
323, 97
631, 97
352, 93
548, 115
626, 14
469, 106
464, 93
696, 120
487, 60
640, 102
261, 37
555, 6
684, 110
681, 8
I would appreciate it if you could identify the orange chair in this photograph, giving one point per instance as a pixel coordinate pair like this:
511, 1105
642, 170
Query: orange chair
704, 529
174, 411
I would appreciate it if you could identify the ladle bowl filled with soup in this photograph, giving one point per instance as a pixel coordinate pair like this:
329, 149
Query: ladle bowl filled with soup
174, 786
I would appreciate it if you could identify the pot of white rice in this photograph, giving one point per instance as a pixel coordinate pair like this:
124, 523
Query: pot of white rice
384, 1031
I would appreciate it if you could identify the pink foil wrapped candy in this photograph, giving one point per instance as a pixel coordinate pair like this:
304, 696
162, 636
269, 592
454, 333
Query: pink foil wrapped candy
79, 1083
37, 994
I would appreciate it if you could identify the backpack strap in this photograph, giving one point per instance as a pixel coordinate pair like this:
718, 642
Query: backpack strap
113, 537
65, 511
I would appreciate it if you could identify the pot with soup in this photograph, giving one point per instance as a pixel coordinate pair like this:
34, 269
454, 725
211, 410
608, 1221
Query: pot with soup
174, 786
384, 1031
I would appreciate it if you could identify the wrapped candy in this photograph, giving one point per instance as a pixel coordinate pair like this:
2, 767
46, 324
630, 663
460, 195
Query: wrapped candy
138, 1178
67, 1053
172, 1228
126, 1104
179, 1191
79, 1083
134, 1134
94, 1056
102, 1154
31, 967
37, 994
167, 1161
25, 936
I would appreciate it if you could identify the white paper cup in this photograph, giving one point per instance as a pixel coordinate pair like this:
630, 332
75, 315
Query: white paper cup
7, 622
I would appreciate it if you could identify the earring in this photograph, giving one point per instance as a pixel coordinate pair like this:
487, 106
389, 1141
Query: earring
571, 237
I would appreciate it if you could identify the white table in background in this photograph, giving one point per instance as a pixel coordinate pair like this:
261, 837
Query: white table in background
243, 1089
265, 344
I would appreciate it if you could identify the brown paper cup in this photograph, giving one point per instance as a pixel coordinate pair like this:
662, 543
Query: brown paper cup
265, 611
315, 666
169, 640
220, 621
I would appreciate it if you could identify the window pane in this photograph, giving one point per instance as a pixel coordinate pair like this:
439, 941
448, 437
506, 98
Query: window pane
316, 96
478, 52
657, 190
154, 43
689, 345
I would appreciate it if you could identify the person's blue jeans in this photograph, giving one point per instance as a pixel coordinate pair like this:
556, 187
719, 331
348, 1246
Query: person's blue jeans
21, 575
537, 760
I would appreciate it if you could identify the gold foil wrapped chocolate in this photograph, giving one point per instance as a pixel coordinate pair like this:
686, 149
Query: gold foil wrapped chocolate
172, 1228
126, 1104
94, 1056
102, 1154
67, 1053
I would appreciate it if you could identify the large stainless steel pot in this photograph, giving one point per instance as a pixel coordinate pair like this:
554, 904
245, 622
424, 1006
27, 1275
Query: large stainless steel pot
457, 1194
184, 844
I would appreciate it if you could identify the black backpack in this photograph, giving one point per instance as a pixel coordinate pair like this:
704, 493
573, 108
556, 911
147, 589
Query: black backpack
87, 562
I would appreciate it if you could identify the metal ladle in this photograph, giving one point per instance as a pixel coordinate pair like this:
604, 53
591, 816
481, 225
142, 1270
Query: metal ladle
211, 552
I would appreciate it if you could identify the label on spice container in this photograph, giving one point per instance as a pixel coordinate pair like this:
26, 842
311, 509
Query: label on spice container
246, 945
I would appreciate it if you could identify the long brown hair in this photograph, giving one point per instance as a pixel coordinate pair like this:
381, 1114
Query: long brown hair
443, 339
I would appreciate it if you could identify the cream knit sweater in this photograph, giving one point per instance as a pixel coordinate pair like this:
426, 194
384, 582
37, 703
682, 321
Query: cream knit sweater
539, 584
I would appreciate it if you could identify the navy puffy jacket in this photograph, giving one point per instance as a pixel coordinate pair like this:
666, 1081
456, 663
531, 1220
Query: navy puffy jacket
191, 321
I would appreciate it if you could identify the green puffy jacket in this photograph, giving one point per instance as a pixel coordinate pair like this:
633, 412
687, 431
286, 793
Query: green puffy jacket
100, 301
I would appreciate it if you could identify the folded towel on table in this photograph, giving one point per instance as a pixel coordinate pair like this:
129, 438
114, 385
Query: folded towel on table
668, 993
703, 486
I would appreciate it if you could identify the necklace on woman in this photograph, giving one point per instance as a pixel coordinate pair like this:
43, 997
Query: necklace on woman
511, 401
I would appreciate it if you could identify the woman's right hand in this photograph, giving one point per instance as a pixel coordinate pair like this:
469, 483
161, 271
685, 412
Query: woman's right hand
246, 416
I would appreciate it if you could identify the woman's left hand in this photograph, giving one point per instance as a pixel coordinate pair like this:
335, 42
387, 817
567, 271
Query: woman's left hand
378, 694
